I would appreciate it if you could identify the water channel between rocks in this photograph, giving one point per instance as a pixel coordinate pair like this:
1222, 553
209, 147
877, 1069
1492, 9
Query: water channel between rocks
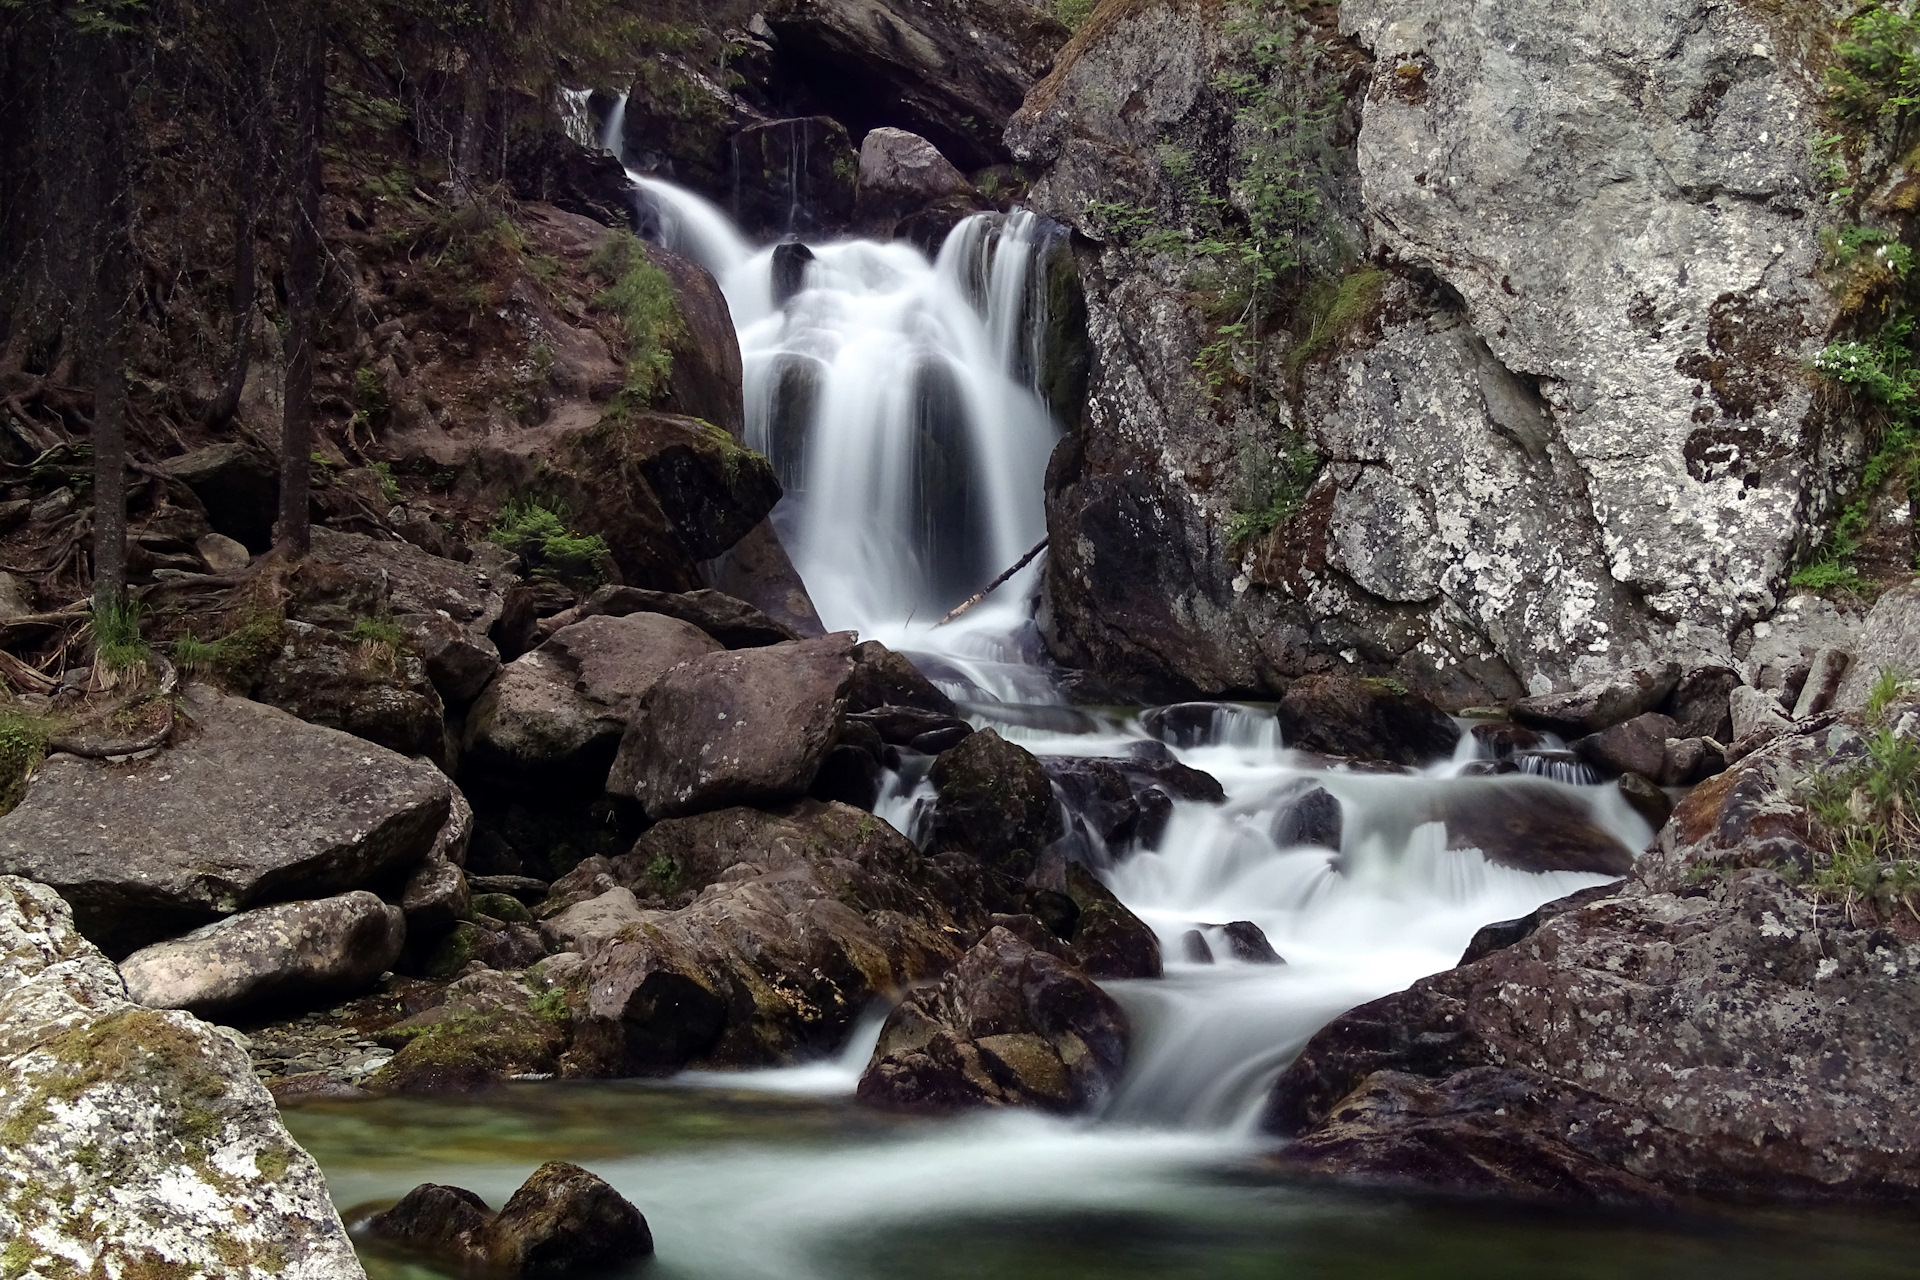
896, 397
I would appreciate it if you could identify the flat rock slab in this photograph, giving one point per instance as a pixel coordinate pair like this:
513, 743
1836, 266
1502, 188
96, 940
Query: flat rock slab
253, 807
293, 952
138, 1142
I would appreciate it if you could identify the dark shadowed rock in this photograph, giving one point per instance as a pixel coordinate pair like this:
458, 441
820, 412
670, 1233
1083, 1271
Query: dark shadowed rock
1824, 676
1647, 799
1691, 760
435, 898
1601, 705
292, 954
1637, 746
369, 689
449, 1222
1194, 948
1530, 826
1109, 940
903, 726
255, 807
1247, 942
564, 1221
1187, 724
995, 802
1010, 1025
790, 259
884, 678
734, 623
1311, 817
239, 488
745, 727
1699, 703
1364, 719
756, 569
1501, 738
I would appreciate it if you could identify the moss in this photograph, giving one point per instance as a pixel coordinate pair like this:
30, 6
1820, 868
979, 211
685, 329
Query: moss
458, 949
23, 744
272, 1162
467, 1050
503, 907
238, 660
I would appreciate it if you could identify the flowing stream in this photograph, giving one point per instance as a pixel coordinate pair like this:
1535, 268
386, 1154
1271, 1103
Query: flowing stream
896, 396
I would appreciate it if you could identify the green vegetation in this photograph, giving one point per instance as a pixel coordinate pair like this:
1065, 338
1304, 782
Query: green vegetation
1335, 307
238, 660
663, 875
1271, 488
1875, 80
377, 631
641, 296
23, 745
1072, 13
117, 645
536, 531
1866, 819
389, 487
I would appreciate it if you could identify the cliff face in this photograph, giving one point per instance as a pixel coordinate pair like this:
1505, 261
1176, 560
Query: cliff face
1571, 427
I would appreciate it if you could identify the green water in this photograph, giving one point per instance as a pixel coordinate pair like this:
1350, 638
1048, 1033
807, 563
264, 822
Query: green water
739, 1186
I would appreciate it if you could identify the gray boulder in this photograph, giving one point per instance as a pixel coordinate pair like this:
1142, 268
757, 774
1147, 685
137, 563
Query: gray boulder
901, 172
375, 691
1637, 746
1599, 705
746, 727
563, 1221
291, 954
1888, 639
138, 1133
252, 807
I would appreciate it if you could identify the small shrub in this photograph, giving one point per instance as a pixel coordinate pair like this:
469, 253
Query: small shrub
641, 297
389, 487
1271, 489
537, 532
1866, 819
23, 744
117, 645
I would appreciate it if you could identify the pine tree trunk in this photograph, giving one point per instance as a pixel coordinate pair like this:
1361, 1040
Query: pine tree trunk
110, 305
303, 290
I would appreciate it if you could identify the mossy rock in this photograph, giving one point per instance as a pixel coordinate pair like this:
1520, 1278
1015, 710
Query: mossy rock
995, 802
503, 907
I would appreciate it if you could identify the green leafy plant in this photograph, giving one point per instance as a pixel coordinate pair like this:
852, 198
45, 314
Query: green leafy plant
1271, 488
1072, 13
377, 631
117, 645
1866, 818
1875, 78
389, 487
537, 532
641, 297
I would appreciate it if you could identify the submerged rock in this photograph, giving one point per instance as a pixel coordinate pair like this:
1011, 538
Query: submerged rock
1010, 1025
253, 808
563, 1221
1364, 719
1530, 826
995, 802
292, 954
138, 1134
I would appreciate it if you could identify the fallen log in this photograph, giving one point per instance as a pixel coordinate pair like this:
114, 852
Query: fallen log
998, 582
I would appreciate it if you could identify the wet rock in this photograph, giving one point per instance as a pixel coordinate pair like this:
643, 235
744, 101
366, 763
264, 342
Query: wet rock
750, 726
1010, 1025
1647, 799
1247, 943
734, 623
563, 1221
1885, 642
903, 173
790, 259
1188, 724
370, 689
1824, 676
130, 1130
756, 569
255, 807
1194, 948
486, 1028
1365, 719
954, 75
1530, 827
1311, 817
1699, 703
1601, 705
291, 954
793, 176
903, 726
883, 678
239, 488
1109, 941
1691, 760
1637, 746
795, 921
995, 802
1501, 738
1645, 1045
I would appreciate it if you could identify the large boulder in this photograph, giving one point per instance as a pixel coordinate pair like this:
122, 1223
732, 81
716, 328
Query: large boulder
758, 570
1013, 1024
486, 1027
1364, 719
1529, 826
289, 955
1889, 639
797, 921
369, 688
252, 807
995, 802
733, 622
902, 175
1600, 705
953, 72
137, 1140
555, 715
745, 727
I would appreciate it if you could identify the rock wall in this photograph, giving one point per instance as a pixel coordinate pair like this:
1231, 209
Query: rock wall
137, 1141
1573, 429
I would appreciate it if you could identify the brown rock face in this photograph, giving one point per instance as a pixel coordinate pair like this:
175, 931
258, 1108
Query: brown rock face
1364, 719
563, 1221
746, 727
1012, 1025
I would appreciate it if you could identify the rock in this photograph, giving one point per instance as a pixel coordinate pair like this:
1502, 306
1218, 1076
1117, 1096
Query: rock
790, 259
1529, 826
1010, 1025
1643, 1046
883, 678
297, 953
1109, 941
563, 1221
704, 383
1364, 719
995, 802
1885, 642
1247, 943
1699, 703
750, 726
756, 569
902, 172
954, 74
1647, 799
1505, 933
502, 907
711, 490
1691, 760
1312, 817
734, 623
1125, 800
495, 944
239, 489
1601, 705
133, 1131
530, 613
1188, 724
1501, 738
370, 689
793, 176
526, 889
1637, 746
436, 897
222, 554
255, 807
1194, 948
797, 921
1757, 720
1824, 677
903, 726
16, 597
486, 1029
